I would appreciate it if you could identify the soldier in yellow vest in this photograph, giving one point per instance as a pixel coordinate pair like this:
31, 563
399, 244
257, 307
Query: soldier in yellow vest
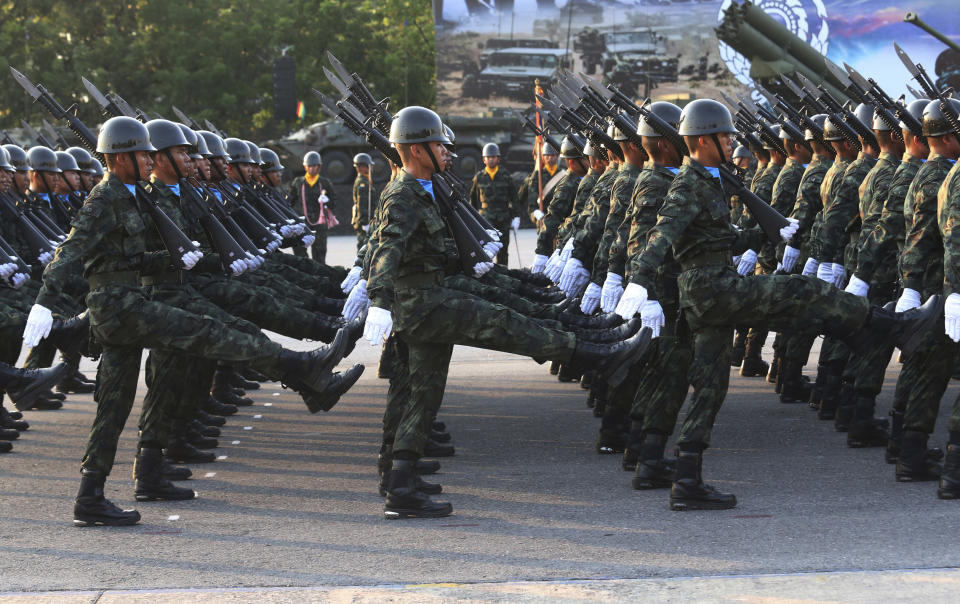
494, 194
312, 195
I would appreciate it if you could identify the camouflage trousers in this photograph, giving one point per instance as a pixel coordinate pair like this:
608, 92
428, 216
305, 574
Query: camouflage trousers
430, 320
312, 267
713, 299
923, 380
124, 321
869, 366
664, 381
362, 238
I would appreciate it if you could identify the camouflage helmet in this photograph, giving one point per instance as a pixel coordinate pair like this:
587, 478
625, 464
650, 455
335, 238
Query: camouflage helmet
817, 119
312, 158
192, 140
362, 159
254, 151
270, 161
588, 149
830, 131
616, 133
416, 124
449, 132
935, 122
568, 150
548, 149
83, 158
95, 167
915, 109
5, 161
123, 134
864, 113
705, 116
491, 150
44, 159
165, 134
66, 162
17, 157
214, 144
202, 149
742, 151
668, 112
878, 124
238, 151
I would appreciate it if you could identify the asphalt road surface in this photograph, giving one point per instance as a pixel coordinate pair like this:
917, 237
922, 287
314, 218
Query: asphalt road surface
292, 503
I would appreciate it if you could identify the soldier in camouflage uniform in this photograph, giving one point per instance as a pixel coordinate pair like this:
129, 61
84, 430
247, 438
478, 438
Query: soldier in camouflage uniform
108, 234
406, 274
561, 205
695, 221
310, 195
363, 198
494, 194
582, 203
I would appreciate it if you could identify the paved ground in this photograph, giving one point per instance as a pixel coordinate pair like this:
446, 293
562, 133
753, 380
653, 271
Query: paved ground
539, 515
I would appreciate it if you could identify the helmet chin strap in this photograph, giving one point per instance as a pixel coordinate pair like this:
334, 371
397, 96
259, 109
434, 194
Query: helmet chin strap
136, 165
716, 143
436, 165
176, 169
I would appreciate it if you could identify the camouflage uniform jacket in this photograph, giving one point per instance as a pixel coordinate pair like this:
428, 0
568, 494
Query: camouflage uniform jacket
841, 218
921, 263
877, 245
694, 220
828, 189
783, 197
496, 198
411, 241
304, 197
363, 201
873, 192
948, 217
188, 220
620, 196
762, 187
574, 221
109, 235
808, 203
648, 195
595, 212
561, 204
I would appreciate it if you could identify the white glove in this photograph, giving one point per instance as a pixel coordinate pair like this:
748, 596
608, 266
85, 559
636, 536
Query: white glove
492, 248
237, 267
736, 261
951, 317
308, 239
839, 274
539, 263
748, 262
273, 245
810, 267
254, 261
790, 257
7, 269
567, 250
19, 279
554, 266
287, 231
352, 278
538, 214
910, 298
323, 199
357, 301
494, 234
633, 298
591, 299
651, 315
39, 322
825, 272
378, 326
45, 257
787, 232
612, 290
515, 223
365, 228
190, 259
481, 268
571, 271
857, 287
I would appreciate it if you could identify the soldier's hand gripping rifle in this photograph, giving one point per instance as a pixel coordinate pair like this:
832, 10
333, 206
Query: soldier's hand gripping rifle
893, 113
930, 88
175, 240
39, 244
227, 248
10, 255
216, 207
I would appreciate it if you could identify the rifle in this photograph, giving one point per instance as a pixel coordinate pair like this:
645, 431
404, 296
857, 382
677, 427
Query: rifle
175, 240
840, 111
748, 121
6, 139
259, 232
62, 143
814, 103
225, 245
238, 234
38, 243
930, 88
7, 250
892, 108
861, 90
37, 136
530, 125
796, 116
186, 119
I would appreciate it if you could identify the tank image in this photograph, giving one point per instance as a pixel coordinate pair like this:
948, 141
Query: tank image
947, 66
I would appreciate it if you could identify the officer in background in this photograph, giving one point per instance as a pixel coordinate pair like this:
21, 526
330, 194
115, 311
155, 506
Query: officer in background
494, 194
312, 195
363, 201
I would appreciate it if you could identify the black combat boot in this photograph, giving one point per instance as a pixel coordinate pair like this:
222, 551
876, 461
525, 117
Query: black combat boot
753, 365
198, 440
172, 472
238, 381
70, 335
310, 372
688, 492
896, 437
914, 463
554, 367
653, 472
215, 407
5, 447
9, 434
26, 386
586, 380
866, 430
609, 335
427, 466
830, 395
209, 419
76, 383
385, 462
774, 373
203, 429
438, 426
339, 383
739, 347
404, 499
631, 453
254, 375
7, 421
950, 478
845, 409
612, 361
540, 294
181, 451
793, 388
328, 306
603, 321
905, 330
440, 437
92, 508
223, 391
149, 483
569, 373
435, 449
816, 392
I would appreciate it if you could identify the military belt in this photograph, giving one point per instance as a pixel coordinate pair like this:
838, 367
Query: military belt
707, 258
114, 278
419, 280
161, 278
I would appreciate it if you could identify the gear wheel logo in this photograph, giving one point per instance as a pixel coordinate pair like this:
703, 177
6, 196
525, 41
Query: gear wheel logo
805, 18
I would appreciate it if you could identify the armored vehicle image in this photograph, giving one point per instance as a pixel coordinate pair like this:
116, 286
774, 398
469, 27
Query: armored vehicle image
511, 72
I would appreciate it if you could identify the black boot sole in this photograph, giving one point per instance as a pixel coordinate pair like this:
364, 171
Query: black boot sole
647, 484
83, 520
683, 505
951, 494
24, 399
148, 496
398, 513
